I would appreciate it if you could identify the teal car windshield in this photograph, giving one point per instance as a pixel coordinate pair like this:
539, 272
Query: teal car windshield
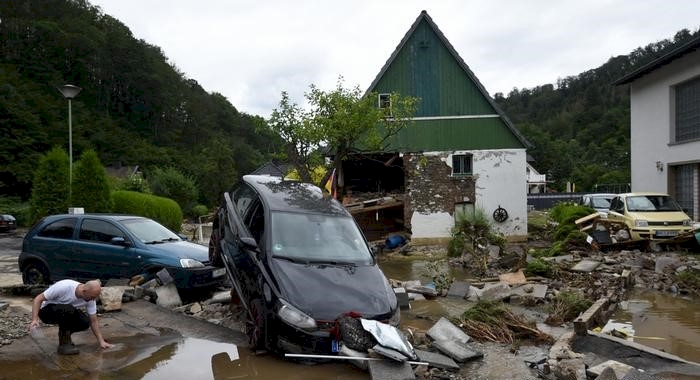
316, 238
149, 231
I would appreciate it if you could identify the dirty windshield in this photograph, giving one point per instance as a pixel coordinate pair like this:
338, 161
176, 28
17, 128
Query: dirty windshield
318, 238
149, 231
651, 203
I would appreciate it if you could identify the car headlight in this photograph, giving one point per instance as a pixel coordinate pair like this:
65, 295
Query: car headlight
190, 263
641, 223
396, 318
293, 316
687, 222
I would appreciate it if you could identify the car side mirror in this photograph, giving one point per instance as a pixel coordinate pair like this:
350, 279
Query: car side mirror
249, 243
120, 241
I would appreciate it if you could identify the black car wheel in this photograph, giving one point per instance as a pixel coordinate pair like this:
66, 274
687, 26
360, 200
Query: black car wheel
255, 325
215, 249
35, 273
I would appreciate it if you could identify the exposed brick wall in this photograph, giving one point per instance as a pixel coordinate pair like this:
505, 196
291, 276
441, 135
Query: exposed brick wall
430, 187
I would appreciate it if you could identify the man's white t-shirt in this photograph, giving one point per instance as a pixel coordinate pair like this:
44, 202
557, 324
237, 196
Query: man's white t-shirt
63, 292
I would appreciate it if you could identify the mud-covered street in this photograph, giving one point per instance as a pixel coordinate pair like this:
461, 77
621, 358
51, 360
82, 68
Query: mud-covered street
205, 340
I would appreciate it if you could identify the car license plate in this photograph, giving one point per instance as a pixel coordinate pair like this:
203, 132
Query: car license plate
218, 272
666, 233
335, 347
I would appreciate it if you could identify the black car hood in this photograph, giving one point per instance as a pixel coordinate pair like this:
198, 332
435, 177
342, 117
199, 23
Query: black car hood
327, 292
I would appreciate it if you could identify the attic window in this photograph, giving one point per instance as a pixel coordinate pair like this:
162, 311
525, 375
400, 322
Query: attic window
461, 164
385, 103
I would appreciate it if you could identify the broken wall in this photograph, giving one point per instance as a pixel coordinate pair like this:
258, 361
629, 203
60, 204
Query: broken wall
432, 193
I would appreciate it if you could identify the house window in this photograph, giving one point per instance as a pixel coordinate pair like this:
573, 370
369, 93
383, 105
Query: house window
461, 164
688, 111
684, 180
385, 103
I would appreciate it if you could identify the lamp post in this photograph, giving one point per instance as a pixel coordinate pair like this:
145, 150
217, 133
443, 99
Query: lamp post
70, 91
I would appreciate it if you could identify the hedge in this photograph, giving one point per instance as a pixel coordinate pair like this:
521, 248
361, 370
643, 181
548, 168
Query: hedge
163, 210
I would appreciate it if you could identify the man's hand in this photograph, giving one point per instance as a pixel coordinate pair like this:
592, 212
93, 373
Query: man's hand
104, 344
33, 324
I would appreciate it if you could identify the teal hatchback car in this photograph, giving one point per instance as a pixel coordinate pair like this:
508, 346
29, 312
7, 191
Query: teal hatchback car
104, 246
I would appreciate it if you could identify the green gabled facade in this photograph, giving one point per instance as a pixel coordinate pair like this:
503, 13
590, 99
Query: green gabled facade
455, 112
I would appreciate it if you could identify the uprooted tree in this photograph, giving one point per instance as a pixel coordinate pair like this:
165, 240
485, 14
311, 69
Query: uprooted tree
343, 121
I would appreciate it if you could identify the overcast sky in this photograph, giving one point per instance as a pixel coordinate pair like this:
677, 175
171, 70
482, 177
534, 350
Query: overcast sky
252, 50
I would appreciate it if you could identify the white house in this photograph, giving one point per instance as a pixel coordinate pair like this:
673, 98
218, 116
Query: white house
665, 125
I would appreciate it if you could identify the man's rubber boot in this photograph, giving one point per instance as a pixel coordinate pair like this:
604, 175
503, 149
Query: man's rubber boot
65, 344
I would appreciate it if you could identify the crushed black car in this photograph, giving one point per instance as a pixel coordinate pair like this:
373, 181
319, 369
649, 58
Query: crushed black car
298, 262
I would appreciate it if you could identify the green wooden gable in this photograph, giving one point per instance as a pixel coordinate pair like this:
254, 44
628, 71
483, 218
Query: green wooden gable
455, 111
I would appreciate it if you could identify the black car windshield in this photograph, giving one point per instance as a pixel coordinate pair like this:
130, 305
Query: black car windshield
316, 238
652, 203
149, 231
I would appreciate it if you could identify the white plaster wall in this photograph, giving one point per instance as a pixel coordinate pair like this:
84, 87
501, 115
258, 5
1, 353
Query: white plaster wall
500, 175
500, 181
651, 113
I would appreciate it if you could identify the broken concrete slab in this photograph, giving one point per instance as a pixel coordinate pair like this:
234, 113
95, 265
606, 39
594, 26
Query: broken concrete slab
426, 291
460, 352
220, 297
538, 291
620, 369
443, 329
607, 374
349, 352
458, 289
495, 292
402, 298
168, 296
4, 305
437, 360
164, 276
586, 266
590, 317
389, 353
388, 370
514, 278
111, 297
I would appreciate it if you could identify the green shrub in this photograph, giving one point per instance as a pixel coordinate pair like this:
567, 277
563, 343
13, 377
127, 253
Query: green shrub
172, 183
50, 188
91, 189
15, 207
567, 306
539, 267
568, 212
199, 210
163, 210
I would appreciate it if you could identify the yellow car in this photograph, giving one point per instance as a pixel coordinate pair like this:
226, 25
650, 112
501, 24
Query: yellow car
653, 216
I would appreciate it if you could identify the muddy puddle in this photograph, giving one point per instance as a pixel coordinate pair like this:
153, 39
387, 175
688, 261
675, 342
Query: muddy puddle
664, 321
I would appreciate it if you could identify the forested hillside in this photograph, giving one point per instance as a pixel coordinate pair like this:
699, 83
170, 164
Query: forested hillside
135, 108
580, 126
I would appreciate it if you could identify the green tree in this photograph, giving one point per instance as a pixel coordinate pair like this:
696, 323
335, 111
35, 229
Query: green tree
342, 120
90, 185
50, 190
172, 183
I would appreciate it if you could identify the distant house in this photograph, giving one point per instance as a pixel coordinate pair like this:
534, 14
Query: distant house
460, 153
536, 182
665, 125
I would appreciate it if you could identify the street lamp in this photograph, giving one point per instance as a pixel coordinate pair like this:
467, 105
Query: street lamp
70, 91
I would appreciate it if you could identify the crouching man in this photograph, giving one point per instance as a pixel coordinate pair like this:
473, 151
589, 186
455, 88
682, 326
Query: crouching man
62, 304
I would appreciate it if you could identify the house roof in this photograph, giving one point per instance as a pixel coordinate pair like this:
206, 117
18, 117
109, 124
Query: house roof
674, 54
424, 16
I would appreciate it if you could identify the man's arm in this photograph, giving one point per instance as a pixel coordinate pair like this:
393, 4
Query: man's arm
36, 305
95, 327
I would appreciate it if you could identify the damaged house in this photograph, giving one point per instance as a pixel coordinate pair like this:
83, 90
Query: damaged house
460, 153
